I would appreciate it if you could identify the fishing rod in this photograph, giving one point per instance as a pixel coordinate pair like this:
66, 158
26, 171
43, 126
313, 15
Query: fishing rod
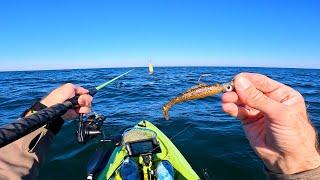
23, 126
94, 91
85, 130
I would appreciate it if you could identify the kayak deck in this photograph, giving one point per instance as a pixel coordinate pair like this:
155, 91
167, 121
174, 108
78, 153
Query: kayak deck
182, 168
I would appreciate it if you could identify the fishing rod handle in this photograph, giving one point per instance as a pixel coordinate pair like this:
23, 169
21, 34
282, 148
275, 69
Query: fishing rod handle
75, 100
93, 91
23, 126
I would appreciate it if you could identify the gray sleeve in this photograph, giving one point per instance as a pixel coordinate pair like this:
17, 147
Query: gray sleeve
313, 174
23, 158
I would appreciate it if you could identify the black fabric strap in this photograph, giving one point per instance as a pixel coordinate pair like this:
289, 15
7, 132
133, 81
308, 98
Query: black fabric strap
38, 106
24, 126
53, 126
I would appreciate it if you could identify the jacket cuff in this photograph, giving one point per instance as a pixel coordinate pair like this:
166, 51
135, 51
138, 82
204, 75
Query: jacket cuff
54, 126
313, 174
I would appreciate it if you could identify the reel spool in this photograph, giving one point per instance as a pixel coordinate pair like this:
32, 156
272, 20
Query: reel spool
90, 128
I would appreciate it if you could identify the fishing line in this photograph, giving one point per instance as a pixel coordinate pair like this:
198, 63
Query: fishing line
203, 75
174, 136
120, 85
180, 132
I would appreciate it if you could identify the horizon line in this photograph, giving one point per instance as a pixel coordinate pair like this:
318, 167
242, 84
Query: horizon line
161, 66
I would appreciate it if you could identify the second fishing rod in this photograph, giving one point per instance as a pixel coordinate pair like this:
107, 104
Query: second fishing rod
23, 126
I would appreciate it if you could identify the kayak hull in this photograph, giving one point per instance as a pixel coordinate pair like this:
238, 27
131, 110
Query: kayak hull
169, 152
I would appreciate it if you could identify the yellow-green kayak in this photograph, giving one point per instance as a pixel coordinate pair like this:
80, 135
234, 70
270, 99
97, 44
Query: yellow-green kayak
169, 152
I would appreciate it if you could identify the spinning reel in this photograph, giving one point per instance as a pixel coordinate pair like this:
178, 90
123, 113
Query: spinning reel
90, 127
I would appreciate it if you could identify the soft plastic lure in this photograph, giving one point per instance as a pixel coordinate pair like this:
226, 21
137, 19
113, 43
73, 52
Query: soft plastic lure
197, 92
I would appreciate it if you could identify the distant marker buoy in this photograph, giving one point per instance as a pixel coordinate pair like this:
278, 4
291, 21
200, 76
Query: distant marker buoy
150, 69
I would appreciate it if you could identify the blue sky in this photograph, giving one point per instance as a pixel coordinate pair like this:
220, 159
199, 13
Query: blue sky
114, 33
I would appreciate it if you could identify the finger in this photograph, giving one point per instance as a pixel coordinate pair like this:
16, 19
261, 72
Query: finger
233, 110
286, 95
251, 96
261, 82
84, 110
245, 114
85, 100
81, 90
273, 89
230, 97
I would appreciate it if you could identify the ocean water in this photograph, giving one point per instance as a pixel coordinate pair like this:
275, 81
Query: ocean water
213, 140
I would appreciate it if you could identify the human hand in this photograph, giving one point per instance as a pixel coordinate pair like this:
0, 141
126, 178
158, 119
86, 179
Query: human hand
65, 92
275, 121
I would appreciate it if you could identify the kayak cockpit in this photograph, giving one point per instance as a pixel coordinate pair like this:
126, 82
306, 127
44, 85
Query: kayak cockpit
147, 147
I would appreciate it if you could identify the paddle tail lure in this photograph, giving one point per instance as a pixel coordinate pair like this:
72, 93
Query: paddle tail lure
23, 126
198, 92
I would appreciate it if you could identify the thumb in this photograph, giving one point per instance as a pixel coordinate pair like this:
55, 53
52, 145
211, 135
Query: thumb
251, 96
